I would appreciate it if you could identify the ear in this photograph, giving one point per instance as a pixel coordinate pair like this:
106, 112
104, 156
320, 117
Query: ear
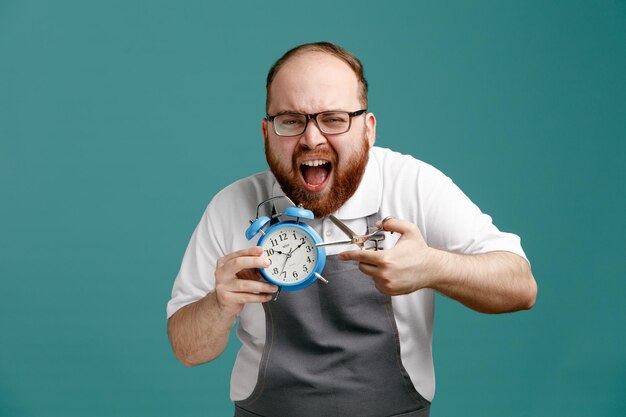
264, 128
370, 128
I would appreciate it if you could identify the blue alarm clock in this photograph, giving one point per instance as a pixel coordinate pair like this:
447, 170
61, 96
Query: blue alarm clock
292, 246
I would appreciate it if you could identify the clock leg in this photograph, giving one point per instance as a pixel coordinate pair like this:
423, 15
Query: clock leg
321, 278
276, 294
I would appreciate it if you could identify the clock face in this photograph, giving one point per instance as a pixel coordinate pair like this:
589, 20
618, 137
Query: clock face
293, 254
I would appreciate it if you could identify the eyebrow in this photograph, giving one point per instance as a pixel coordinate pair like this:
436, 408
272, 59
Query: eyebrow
297, 112
288, 112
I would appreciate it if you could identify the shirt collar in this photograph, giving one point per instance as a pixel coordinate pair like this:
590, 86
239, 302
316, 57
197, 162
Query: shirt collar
365, 201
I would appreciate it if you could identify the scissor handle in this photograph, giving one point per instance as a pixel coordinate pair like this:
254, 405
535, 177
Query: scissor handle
355, 239
382, 224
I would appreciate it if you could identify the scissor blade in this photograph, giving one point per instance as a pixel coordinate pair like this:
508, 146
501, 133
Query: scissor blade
343, 227
340, 242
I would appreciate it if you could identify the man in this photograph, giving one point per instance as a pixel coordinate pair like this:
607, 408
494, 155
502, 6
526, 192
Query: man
360, 345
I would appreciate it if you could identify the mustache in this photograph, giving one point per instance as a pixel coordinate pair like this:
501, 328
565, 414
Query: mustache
322, 152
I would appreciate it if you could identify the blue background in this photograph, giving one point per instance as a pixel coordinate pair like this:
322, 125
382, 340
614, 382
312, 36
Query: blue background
120, 119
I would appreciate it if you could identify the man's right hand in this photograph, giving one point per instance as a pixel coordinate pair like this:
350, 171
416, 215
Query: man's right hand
199, 331
237, 280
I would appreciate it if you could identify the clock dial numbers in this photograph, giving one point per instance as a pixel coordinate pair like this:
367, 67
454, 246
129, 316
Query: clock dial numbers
292, 253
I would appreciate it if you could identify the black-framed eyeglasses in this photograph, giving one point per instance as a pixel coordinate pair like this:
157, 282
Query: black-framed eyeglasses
328, 122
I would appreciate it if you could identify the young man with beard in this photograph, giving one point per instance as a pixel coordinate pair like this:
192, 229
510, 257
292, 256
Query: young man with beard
361, 345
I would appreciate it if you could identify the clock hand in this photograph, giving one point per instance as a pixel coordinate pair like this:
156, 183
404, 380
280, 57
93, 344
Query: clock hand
298, 247
286, 259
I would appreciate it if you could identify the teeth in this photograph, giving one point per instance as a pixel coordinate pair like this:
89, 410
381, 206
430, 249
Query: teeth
314, 163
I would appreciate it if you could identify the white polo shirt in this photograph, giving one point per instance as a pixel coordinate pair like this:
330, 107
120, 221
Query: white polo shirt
393, 184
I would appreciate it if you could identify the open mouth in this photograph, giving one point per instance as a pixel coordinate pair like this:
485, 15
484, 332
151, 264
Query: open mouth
315, 174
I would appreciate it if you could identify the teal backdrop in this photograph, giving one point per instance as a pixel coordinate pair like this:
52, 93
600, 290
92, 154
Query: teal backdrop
119, 120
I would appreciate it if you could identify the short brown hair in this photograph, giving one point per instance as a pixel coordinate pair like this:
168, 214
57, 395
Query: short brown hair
325, 47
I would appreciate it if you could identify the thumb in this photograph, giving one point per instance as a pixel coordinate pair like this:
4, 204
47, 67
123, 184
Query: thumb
391, 224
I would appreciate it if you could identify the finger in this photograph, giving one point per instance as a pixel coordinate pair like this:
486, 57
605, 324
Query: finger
234, 265
374, 273
248, 286
361, 256
245, 298
403, 227
370, 270
252, 251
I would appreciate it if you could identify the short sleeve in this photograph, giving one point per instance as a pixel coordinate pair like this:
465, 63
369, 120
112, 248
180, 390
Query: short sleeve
451, 221
196, 276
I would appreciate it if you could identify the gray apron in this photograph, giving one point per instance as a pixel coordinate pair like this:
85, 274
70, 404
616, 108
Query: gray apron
333, 351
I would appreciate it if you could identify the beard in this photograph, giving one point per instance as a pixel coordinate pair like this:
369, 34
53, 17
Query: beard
346, 177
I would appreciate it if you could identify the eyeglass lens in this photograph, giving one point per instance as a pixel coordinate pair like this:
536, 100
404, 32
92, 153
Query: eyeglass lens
327, 122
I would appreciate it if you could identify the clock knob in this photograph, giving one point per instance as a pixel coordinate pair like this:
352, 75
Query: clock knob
299, 212
256, 226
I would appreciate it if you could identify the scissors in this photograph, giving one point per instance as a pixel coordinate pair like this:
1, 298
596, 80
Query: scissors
359, 240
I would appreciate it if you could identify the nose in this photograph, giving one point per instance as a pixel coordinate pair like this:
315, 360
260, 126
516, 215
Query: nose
312, 136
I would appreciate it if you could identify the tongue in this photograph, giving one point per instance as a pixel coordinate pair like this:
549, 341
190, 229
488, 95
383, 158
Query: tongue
314, 175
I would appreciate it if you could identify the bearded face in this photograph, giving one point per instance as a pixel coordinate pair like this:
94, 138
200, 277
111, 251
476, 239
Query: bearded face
318, 178
320, 171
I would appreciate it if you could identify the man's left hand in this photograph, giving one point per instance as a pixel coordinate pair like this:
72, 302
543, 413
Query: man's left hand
409, 266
